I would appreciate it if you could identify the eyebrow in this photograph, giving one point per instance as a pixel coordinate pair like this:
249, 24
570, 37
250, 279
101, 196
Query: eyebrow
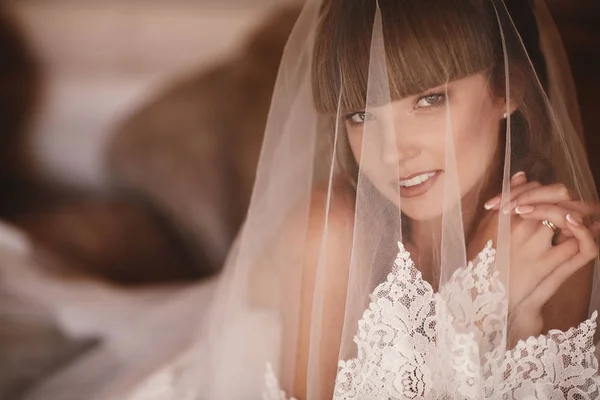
443, 87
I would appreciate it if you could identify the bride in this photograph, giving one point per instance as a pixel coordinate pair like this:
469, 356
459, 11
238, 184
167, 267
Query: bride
422, 224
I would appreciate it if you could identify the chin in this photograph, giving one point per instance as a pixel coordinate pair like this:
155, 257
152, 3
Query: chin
419, 210
430, 205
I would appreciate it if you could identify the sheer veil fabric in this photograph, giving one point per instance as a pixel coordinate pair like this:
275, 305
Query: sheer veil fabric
422, 223
368, 242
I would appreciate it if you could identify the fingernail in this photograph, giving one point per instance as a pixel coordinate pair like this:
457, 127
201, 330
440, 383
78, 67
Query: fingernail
491, 203
510, 206
517, 175
573, 221
524, 209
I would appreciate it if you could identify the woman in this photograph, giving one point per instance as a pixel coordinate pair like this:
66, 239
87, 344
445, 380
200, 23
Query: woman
422, 223
443, 139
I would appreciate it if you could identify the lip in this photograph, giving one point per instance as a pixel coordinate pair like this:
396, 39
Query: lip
417, 190
403, 178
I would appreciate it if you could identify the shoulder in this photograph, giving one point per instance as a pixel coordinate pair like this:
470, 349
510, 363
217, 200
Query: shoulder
330, 216
328, 248
329, 226
321, 229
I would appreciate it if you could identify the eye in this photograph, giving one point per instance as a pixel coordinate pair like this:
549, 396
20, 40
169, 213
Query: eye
431, 100
358, 118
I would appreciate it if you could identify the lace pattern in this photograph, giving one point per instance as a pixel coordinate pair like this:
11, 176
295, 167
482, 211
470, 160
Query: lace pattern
413, 343
272, 390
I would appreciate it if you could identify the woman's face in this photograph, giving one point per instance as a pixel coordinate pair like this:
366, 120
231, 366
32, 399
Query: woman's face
402, 146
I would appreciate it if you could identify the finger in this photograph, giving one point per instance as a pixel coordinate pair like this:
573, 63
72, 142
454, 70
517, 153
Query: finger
560, 254
583, 208
594, 229
587, 250
518, 179
553, 194
494, 202
526, 230
549, 212
546, 235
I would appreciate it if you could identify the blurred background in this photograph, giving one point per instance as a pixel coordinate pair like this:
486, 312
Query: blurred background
130, 132
101, 59
89, 75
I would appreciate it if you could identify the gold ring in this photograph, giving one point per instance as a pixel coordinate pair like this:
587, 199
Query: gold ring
550, 225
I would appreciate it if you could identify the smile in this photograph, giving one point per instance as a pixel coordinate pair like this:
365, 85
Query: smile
416, 185
417, 180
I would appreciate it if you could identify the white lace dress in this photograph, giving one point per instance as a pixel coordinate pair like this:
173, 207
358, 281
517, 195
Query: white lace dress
411, 344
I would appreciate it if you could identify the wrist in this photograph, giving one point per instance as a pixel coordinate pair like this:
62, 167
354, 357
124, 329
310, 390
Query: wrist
524, 323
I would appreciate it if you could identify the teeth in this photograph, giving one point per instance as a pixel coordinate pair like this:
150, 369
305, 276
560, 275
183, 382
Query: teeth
416, 180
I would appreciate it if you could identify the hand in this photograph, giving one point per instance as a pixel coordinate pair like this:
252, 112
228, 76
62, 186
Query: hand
532, 200
537, 268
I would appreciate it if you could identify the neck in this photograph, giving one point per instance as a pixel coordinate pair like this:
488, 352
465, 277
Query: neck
425, 236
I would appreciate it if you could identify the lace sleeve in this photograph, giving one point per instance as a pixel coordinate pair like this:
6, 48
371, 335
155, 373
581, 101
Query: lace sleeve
559, 365
413, 343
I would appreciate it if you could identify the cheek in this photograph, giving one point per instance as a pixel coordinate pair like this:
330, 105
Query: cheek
365, 152
355, 143
476, 145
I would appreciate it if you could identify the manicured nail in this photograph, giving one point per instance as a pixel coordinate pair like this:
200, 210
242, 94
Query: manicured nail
517, 175
573, 221
491, 203
524, 209
510, 206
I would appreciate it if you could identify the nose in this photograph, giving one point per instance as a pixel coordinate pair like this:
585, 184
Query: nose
397, 146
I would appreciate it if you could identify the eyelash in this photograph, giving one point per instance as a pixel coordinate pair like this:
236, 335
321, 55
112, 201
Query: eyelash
441, 101
348, 118
441, 97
